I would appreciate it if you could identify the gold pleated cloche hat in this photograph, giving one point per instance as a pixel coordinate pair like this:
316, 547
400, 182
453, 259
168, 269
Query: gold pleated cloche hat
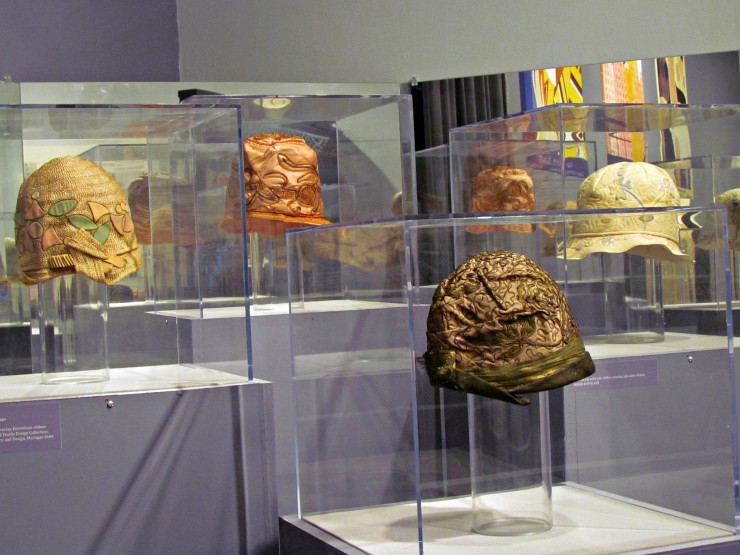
628, 185
71, 217
499, 326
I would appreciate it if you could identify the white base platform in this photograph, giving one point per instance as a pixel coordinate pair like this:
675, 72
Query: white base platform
585, 523
28, 387
673, 343
272, 309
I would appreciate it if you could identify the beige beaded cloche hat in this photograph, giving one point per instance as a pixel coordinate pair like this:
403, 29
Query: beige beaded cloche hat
628, 185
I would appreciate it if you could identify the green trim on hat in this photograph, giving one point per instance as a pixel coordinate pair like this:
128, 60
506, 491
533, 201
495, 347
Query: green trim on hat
558, 369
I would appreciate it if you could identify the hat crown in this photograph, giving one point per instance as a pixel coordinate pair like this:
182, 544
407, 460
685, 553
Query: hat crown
628, 185
72, 217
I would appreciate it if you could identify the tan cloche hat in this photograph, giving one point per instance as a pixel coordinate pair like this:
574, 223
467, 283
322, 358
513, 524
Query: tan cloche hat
499, 326
628, 185
72, 217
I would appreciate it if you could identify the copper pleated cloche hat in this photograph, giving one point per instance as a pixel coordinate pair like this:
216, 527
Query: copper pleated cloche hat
502, 189
281, 185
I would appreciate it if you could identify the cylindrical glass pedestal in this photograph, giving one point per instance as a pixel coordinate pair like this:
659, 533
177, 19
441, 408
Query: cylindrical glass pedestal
633, 299
268, 263
511, 474
69, 326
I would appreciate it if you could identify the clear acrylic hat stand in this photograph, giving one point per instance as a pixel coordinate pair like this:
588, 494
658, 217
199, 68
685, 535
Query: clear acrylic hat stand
69, 330
511, 470
633, 299
268, 266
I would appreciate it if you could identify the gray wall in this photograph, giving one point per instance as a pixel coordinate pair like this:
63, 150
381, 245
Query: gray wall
713, 79
344, 40
89, 40
392, 40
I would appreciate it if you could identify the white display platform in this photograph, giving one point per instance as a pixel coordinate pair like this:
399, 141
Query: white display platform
28, 387
278, 308
673, 343
585, 523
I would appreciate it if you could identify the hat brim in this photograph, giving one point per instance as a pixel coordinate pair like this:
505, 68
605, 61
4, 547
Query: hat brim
517, 228
642, 244
570, 364
270, 223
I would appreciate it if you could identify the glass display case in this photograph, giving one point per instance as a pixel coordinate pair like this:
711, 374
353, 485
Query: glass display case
714, 179
114, 267
558, 146
172, 92
360, 148
433, 180
539, 160
395, 456
10, 92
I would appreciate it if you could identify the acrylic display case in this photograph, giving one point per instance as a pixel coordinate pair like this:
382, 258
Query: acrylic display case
172, 92
433, 180
364, 145
712, 178
161, 325
639, 455
558, 146
10, 92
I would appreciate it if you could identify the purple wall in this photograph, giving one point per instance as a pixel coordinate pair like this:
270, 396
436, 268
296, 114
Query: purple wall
89, 40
